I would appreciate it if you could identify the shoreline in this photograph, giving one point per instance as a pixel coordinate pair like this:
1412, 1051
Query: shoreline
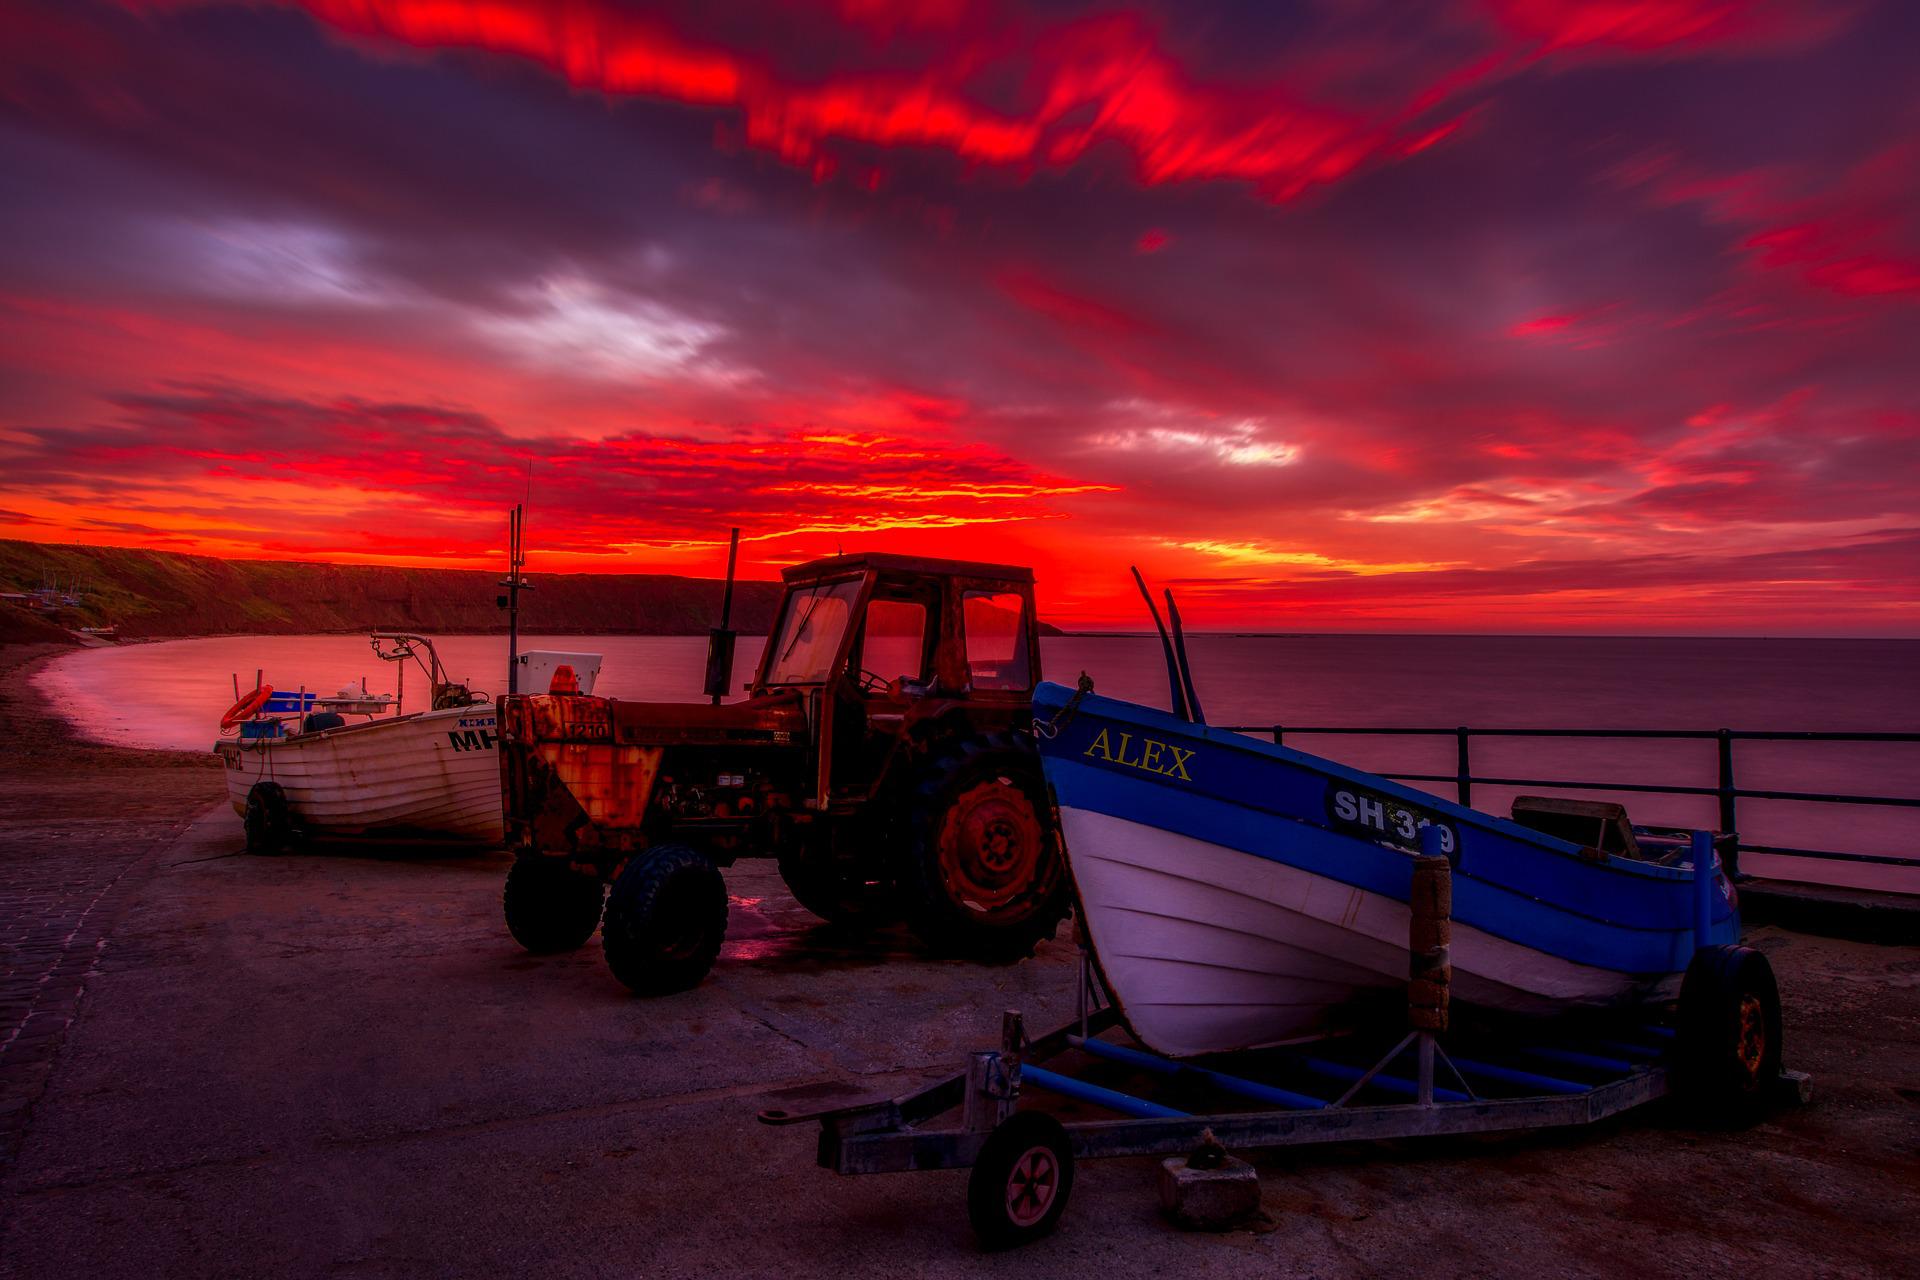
45, 759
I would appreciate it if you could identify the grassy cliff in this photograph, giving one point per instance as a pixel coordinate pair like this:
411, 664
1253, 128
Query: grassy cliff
160, 593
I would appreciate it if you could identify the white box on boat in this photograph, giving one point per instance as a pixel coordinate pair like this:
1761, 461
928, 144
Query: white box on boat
538, 665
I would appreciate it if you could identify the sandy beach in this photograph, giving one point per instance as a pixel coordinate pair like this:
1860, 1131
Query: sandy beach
339, 1063
49, 769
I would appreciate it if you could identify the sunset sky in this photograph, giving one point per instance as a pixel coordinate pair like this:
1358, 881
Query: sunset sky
1512, 315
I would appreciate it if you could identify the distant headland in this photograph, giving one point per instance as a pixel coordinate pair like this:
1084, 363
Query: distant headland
55, 590
58, 589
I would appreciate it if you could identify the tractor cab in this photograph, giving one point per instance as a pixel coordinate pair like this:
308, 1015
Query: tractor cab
884, 649
880, 755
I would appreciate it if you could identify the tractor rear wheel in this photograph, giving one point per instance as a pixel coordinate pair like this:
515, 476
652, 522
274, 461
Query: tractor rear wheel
838, 896
986, 879
666, 918
549, 906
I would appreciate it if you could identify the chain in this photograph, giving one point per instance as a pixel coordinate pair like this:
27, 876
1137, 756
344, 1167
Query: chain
1051, 728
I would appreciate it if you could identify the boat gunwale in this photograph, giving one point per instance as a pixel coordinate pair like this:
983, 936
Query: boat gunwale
222, 745
1094, 704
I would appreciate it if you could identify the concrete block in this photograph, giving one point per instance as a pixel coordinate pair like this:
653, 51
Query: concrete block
1208, 1199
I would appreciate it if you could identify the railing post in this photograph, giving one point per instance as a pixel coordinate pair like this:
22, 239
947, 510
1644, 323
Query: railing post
1463, 779
1729, 823
1279, 736
1702, 888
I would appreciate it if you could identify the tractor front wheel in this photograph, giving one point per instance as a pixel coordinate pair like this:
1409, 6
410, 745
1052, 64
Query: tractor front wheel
549, 906
837, 896
986, 878
666, 918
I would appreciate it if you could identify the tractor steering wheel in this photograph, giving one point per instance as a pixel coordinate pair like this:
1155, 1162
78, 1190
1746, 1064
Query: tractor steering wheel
873, 682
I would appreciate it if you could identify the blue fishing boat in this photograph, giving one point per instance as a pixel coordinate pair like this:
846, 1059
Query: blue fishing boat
1237, 893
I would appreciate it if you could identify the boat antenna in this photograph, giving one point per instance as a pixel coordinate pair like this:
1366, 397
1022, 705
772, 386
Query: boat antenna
515, 582
1180, 707
1180, 651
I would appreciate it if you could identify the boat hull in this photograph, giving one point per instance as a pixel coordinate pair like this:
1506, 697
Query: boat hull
1206, 949
1229, 904
434, 775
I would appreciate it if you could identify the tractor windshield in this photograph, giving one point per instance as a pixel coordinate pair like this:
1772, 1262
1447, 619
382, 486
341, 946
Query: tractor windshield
811, 627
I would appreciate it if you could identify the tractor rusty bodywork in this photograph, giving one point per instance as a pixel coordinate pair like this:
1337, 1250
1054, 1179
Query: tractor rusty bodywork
583, 775
879, 755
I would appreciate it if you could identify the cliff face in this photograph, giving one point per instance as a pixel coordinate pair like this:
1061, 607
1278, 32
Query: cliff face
160, 593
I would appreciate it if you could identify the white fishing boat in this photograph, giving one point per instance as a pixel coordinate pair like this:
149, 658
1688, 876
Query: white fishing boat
307, 766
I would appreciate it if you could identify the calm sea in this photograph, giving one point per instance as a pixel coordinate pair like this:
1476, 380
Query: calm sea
171, 694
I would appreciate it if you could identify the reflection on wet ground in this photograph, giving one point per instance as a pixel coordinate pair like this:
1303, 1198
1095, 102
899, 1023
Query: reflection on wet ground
780, 933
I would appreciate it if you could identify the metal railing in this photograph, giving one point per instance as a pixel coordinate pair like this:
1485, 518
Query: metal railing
1725, 790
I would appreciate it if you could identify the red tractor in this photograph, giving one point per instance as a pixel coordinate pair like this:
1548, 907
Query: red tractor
881, 755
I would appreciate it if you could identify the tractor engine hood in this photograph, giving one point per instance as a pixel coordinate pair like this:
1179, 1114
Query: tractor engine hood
777, 719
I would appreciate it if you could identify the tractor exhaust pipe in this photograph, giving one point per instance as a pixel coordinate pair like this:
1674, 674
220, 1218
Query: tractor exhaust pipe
720, 639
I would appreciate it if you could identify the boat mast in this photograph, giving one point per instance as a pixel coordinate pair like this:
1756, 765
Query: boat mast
1186, 668
1177, 690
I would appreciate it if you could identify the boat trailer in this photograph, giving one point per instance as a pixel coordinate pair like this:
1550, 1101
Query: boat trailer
1503, 1076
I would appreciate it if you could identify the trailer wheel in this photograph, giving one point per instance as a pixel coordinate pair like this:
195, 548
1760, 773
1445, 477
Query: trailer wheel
666, 918
838, 898
1019, 1186
268, 821
985, 878
1728, 1043
549, 906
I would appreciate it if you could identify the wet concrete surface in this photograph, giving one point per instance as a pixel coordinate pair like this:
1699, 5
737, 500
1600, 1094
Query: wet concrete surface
79, 827
338, 1064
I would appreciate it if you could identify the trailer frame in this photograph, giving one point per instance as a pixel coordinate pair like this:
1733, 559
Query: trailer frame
1491, 1077
888, 1136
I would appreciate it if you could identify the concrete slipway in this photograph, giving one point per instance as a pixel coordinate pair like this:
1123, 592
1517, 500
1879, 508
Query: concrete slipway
329, 1064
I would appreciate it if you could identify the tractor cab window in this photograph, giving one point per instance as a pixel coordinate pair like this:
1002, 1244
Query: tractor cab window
812, 624
996, 629
894, 644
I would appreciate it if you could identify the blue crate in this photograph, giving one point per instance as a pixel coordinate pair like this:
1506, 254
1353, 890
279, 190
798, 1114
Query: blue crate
287, 702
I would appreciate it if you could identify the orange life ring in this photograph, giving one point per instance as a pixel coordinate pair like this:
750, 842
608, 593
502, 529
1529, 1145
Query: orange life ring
247, 707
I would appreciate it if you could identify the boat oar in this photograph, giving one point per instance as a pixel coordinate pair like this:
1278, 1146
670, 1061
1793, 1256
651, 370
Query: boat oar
1180, 706
1186, 668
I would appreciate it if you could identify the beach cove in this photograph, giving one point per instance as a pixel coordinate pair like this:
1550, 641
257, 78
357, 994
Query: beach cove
226, 1066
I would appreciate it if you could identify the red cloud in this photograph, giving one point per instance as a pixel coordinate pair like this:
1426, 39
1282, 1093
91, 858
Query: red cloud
1586, 328
1654, 24
1100, 80
1841, 235
1540, 324
997, 89
1827, 258
1071, 309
